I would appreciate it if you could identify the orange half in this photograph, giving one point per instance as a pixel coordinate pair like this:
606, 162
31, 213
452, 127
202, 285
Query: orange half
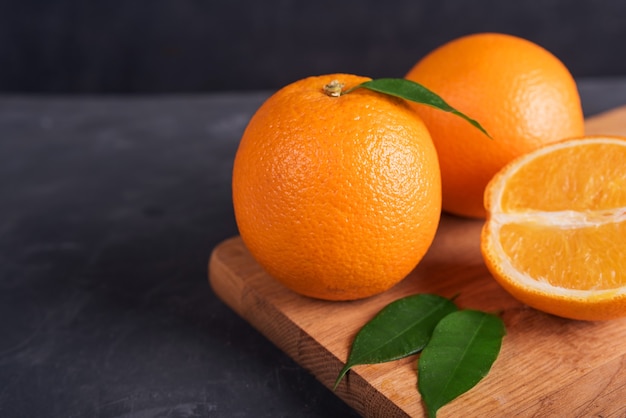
555, 235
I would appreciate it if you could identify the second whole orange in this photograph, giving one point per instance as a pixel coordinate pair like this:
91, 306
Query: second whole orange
337, 196
521, 93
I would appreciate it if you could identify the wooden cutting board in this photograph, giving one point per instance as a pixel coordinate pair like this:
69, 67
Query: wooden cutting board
548, 366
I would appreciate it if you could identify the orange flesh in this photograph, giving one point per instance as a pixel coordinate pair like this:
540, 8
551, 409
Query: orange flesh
553, 184
592, 258
563, 218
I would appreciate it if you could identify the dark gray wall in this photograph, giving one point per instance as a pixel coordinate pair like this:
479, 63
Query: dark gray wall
127, 46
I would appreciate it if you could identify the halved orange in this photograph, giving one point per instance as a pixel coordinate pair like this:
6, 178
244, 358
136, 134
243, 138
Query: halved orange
555, 235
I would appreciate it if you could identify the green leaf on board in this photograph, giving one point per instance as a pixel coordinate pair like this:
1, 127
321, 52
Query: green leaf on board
400, 329
461, 351
415, 92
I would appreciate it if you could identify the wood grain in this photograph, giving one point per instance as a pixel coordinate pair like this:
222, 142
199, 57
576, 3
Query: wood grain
612, 122
548, 366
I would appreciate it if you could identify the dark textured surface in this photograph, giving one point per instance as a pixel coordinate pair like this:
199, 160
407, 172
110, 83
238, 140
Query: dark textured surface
198, 46
109, 209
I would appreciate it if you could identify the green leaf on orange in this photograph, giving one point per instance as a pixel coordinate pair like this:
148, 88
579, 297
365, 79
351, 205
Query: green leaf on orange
415, 92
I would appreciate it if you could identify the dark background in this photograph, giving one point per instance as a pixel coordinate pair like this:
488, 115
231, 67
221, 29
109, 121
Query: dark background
164, 46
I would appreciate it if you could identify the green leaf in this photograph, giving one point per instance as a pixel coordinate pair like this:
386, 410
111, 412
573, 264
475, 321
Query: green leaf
415, 92
460, 353
400, 329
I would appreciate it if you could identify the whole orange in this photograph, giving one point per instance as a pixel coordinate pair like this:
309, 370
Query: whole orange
338, 197
521, 93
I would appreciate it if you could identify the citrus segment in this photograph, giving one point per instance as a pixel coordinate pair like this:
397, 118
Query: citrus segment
562, 178
555, 235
